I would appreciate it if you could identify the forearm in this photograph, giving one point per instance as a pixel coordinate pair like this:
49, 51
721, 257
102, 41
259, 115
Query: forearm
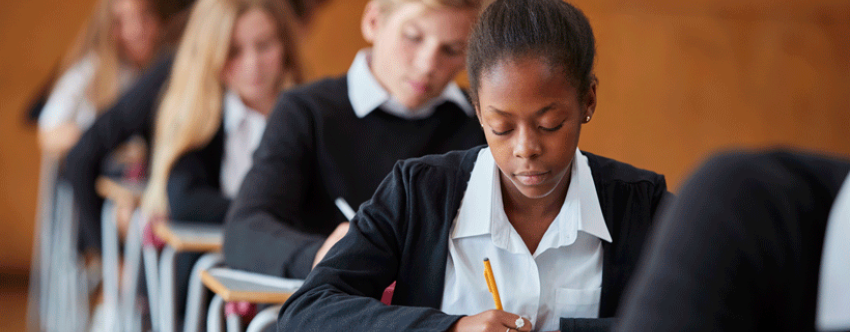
327, 308
82, 165
60, 139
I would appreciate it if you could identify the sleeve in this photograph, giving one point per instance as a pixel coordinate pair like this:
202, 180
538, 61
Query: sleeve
701, 270
192, 195
68, 95
661, 197
261, 233
344, 291
586, 324
133, 113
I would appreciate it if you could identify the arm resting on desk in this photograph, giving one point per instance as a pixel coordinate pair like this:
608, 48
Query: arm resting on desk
132, 114
265, 230
347, 285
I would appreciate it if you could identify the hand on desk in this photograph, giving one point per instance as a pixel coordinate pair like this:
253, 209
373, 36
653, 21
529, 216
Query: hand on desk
337, 235
490, 320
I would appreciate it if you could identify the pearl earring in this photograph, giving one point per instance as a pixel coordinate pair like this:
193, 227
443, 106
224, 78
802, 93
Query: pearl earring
587, 119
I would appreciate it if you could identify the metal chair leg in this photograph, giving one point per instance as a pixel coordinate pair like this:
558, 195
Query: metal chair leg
166, 286
110, 267
130, 277
264, 319
214, 316
151, 263
196, 298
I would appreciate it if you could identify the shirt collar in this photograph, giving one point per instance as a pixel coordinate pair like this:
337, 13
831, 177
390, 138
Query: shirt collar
591, 221
235, 111
482, 201
835, 268
366, 94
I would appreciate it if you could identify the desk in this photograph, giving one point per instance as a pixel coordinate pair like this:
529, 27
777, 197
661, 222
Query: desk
115, 189
159, 266
189, 236
239, 286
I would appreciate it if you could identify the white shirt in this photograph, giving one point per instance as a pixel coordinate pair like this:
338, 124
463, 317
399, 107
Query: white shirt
366, 94
563, 278
243, 129
833, 310
68, 101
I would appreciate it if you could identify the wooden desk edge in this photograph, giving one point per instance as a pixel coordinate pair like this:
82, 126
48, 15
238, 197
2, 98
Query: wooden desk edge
109, 189
234, 296
162, 230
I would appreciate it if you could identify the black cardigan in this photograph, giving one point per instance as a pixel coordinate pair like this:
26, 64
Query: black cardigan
132, 114
194, 184
741, 248
402, 235
314, 150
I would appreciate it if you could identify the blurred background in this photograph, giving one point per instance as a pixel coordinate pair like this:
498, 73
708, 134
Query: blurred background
678, 80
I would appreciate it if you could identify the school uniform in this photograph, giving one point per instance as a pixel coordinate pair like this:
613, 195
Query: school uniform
741, 249
69, 101
335, 138
132, 114
543, 291
202, 182
406, 232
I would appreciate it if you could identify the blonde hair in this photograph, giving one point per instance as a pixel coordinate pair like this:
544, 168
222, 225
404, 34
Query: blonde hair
97, 38
190, 113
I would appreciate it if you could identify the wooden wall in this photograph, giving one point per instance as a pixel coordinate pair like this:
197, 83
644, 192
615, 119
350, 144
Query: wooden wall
33, 35
679, 79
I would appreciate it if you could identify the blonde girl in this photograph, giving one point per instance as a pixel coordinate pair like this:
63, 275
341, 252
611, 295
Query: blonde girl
214, 107
121, 38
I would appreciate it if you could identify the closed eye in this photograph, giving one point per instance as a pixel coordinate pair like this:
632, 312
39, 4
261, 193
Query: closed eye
502, 133
555, 128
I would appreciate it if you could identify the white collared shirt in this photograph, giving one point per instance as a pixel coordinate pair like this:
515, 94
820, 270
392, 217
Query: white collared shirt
366, 94
563, 278
833, 310
69, 101
243, 129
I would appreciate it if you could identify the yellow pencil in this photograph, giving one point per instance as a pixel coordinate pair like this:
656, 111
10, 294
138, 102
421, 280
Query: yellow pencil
491, 283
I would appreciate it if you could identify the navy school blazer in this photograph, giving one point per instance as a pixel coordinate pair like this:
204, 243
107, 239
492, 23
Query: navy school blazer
402, 235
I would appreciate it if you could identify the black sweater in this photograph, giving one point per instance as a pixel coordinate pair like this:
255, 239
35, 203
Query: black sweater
402, 235
741, 248
314, 150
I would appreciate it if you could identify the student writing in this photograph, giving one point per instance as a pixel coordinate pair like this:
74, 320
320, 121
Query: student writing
562, 228
339, 137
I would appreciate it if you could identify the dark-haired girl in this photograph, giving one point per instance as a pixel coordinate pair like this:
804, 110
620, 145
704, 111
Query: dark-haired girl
562, 228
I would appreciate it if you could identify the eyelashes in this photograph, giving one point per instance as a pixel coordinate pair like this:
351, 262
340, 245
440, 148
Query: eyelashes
555, 128
552, 129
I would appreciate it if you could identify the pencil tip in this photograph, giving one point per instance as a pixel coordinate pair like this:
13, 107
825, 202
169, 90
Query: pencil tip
486, 259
